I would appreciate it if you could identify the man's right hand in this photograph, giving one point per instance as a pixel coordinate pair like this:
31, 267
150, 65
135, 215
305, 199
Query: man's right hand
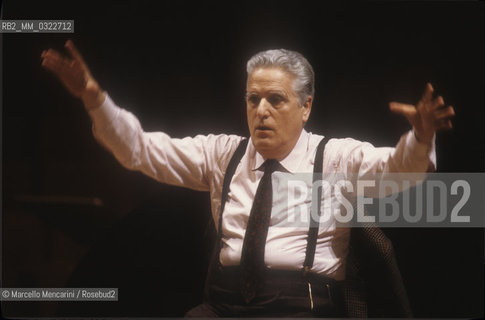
75, 75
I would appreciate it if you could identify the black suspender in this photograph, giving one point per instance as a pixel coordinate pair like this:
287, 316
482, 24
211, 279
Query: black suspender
314, 224
231, 169
317, 175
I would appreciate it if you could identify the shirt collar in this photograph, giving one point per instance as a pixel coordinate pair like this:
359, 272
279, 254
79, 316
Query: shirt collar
292, 161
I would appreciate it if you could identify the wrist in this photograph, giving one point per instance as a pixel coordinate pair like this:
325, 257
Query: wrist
93, 101
423, 138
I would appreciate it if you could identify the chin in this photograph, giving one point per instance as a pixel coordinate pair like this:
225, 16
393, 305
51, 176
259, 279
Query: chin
262, 143
265, 146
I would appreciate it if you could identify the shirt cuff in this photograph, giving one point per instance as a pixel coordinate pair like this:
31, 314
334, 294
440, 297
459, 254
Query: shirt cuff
422, 151
105, 115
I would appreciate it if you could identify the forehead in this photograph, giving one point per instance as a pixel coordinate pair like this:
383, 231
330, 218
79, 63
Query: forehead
271, 78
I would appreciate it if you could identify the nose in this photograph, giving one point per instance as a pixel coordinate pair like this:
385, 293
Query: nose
263, 108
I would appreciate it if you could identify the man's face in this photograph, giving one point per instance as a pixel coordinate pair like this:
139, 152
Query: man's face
275, 116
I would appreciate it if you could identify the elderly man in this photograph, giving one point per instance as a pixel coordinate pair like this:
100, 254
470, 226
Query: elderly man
258, 267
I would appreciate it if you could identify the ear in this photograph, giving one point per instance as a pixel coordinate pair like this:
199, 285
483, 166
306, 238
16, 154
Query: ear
307, 108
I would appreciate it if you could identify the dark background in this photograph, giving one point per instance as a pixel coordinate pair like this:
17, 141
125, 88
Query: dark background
180, 67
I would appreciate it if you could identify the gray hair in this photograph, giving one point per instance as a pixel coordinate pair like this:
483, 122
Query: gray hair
289, 61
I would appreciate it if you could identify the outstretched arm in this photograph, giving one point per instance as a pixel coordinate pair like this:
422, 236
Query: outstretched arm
415, 150
74, 74
182, 162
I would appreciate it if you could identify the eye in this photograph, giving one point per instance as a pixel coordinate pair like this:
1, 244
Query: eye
253, 99
275, 99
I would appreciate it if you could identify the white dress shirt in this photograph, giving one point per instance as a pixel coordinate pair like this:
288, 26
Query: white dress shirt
200, 162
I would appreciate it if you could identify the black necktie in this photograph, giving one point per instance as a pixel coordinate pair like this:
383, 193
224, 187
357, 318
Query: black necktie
252, 256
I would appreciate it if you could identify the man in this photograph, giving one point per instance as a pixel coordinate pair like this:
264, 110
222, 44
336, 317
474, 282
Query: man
257, 271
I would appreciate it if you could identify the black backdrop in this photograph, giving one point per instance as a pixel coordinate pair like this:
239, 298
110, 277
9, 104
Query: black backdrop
180, 67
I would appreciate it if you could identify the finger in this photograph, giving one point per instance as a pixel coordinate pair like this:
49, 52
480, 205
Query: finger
428, 93
445, 113
444, 125
58, 67
58, 70
75, 54
51, 53
54, 61
407, 110
65, 69
437, 103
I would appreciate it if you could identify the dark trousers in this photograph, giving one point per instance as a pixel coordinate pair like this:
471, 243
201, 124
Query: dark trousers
284, 294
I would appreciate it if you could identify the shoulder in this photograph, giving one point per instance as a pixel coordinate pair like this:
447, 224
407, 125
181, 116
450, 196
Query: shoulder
221, 146
343, 147
336, 146
339, 150
221, 143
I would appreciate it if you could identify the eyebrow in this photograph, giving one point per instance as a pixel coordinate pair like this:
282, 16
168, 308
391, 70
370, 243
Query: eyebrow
279, 92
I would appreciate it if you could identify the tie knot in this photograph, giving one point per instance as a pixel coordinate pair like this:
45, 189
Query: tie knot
270, 166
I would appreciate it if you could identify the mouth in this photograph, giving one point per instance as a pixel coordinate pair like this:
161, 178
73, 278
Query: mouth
263, 128
263, 132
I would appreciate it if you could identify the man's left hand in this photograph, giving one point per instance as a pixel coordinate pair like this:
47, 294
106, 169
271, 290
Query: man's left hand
428, 116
